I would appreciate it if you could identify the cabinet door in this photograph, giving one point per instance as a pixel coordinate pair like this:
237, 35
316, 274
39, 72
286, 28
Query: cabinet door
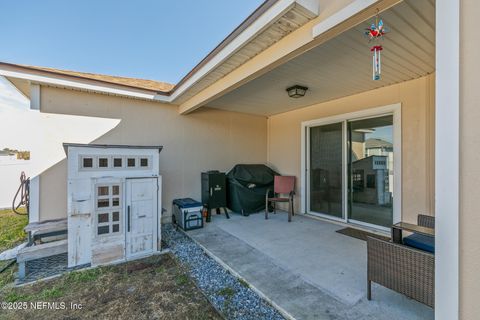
142, 217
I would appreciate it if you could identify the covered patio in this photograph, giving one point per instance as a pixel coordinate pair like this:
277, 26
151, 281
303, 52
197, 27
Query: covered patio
362, 152
305, 268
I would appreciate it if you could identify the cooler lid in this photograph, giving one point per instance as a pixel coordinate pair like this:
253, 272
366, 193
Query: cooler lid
186, 203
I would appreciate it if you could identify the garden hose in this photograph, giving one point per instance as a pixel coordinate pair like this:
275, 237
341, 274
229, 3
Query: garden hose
24, 193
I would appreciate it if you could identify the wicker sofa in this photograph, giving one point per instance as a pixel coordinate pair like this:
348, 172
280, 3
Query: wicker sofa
402, 268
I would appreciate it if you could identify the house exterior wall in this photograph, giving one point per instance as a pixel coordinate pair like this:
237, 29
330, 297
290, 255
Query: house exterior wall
469, 220
205, 140
417, 99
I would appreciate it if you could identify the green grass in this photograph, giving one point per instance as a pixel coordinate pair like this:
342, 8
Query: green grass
83, 276
51, 293
7, 276
153, 287
13, 296
11, 229
63, 285
181, 279
227, 292
11, 234
160, 269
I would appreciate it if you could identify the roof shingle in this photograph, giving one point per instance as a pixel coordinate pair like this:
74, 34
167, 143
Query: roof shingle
144, 84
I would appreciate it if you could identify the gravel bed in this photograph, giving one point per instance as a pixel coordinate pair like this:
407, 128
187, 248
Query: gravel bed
228, 294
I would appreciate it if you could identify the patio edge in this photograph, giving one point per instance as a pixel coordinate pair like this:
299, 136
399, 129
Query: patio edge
282, 311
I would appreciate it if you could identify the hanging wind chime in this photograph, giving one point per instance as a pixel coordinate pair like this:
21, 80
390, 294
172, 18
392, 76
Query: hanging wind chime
375, 33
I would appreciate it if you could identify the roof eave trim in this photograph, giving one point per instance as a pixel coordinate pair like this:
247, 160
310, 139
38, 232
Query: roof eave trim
260, 20
79, 83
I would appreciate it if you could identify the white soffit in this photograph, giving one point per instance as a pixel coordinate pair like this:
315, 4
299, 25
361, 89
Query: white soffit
342, 65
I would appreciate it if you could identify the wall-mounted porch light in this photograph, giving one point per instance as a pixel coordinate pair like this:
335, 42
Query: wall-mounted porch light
296, 91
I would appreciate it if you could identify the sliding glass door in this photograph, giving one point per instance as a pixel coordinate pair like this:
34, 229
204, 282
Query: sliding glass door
326, 166
350, 170
370, 171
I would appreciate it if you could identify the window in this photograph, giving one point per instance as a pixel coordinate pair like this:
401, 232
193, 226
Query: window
87, 162
117, 162
103, 162
108, 212
371, 181
357, 178
131, 162
103, 191
102, 217
103, 230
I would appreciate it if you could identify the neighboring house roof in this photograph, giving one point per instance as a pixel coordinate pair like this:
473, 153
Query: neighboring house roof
377, 143
145, 84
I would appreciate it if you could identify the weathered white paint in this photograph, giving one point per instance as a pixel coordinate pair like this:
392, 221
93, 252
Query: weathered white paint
84, 245
447, 169
141, 217
34, 209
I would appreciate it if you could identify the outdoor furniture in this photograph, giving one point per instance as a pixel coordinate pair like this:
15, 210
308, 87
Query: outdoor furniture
402, 268
282, 185
423, 233
397, 234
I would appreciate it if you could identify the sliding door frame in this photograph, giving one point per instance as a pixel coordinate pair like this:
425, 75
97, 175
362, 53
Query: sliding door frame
393, 109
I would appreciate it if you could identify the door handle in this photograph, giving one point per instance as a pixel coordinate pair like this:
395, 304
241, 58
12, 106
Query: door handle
128, 218
142, 216
211, 191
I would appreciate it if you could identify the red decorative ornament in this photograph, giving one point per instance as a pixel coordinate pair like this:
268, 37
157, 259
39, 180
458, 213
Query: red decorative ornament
375, 33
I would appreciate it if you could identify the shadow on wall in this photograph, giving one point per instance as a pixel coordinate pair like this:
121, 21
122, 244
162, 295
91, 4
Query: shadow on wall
43, 134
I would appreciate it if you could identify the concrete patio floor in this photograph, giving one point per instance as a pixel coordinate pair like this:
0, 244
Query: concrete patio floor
304, 267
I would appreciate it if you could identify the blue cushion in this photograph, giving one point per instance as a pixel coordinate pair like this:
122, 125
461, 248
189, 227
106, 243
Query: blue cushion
420, 241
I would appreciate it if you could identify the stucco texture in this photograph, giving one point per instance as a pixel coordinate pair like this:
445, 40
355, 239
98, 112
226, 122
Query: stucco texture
418, 172
205, 140
469, 160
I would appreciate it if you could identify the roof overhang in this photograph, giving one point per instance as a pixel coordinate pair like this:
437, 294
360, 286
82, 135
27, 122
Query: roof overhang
268, 24
21, 77
272, 21
337, 62
311, 35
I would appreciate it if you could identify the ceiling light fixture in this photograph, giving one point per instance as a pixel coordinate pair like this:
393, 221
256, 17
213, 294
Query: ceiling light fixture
297, 91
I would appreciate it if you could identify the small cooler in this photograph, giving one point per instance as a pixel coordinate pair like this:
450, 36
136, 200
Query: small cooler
187, 213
